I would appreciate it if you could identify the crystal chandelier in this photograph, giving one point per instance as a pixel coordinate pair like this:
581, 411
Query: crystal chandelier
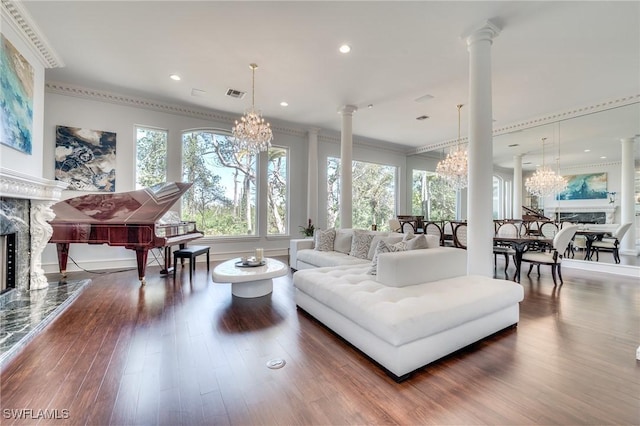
545, 181
252, 133
453, 169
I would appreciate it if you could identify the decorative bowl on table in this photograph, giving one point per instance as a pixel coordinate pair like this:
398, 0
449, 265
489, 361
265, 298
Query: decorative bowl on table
249, 262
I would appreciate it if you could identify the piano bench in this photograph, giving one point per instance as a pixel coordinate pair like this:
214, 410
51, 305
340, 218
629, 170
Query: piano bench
190, 253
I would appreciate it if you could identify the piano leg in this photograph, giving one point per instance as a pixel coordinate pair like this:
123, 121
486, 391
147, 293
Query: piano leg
168, 269
63, 256
141, 258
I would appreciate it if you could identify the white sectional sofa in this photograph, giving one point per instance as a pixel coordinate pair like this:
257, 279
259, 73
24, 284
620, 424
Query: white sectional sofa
420, 307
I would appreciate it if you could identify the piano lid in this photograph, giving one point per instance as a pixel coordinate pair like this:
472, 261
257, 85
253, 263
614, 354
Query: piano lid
142, 206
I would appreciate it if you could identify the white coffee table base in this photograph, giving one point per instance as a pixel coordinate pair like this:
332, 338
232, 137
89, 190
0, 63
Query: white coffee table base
252, 288
250, 282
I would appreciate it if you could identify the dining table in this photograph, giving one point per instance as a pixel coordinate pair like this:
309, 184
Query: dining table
591, 235
520, 245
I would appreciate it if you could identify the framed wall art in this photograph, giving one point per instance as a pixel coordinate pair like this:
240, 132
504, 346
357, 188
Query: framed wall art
16, 98
86, 159
590, 186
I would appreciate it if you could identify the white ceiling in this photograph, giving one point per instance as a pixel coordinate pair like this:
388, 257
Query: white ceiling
550, 56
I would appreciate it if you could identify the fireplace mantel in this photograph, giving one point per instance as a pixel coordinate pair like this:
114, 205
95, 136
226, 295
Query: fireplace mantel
41, 193
609, 210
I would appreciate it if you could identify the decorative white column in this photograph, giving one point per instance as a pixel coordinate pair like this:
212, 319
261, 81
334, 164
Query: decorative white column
627, 207
517, 187
312, 176
41, 231
346, 158
480, 190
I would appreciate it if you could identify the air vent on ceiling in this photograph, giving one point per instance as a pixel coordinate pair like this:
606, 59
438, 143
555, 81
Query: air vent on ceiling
513, 145
236, 93
422, 117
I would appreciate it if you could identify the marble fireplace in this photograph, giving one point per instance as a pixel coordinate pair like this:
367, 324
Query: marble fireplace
25, 209
584, 214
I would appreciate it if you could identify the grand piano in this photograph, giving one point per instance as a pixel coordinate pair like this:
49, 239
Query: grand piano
133, 220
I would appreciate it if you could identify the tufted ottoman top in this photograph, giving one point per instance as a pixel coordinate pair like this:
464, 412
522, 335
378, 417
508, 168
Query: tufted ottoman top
400, 315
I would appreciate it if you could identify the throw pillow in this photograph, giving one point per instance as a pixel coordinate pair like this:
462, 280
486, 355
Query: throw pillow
383, 247
324, 239
342, 243
417, 243
408, 236
360, 243
389, 239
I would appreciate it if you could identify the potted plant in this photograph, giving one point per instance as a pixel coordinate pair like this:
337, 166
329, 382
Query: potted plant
307, 230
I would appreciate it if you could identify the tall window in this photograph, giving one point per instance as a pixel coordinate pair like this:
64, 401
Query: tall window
222, 199
151, 156
497, 197
373, 193
278, 184
432, 197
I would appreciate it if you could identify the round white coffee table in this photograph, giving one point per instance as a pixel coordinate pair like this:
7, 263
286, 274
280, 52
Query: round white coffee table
249, 281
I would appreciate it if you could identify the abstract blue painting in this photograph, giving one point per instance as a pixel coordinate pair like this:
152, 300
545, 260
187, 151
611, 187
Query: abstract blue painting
585, 187
16, 98
86, 159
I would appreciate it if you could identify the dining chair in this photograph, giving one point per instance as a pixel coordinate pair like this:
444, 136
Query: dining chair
459, 234
394, 225
432, 228
510, 230
611, 244
552, 257
548, 229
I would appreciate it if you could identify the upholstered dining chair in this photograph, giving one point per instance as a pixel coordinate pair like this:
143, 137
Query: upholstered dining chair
548, 229
459, 234
509, 230
611, 244
554, 256
394, 225
432, 228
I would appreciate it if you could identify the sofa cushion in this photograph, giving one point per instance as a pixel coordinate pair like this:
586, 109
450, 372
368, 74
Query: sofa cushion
384, 247
420, 266
324, 239
328, 258
400, 315
342, 242
360, 243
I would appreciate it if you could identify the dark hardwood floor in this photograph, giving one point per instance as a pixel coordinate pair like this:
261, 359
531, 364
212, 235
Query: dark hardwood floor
178, 352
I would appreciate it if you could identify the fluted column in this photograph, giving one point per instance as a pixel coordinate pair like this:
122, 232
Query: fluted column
480, 190
627, 207
346, 158
312, 176
517, 187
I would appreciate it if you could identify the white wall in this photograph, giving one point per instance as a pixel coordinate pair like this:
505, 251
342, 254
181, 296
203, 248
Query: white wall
11, 158
90, 113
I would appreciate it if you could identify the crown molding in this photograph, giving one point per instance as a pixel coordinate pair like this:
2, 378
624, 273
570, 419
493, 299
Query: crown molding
542, 120
26, 27
137, 102
595, 166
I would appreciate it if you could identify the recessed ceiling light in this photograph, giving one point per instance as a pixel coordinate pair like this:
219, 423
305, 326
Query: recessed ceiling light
370, 106
603, 157
175, 77
587, 150
424, 98
345, 48
284, 104
422, 117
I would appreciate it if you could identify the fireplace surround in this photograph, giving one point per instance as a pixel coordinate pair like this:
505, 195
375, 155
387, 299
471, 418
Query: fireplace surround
25, 209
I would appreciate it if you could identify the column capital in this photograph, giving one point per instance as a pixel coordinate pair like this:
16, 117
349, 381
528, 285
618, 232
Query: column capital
314, 130
487, 31
347, 109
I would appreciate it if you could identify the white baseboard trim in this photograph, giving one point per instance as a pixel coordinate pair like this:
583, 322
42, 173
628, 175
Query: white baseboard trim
609, 268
